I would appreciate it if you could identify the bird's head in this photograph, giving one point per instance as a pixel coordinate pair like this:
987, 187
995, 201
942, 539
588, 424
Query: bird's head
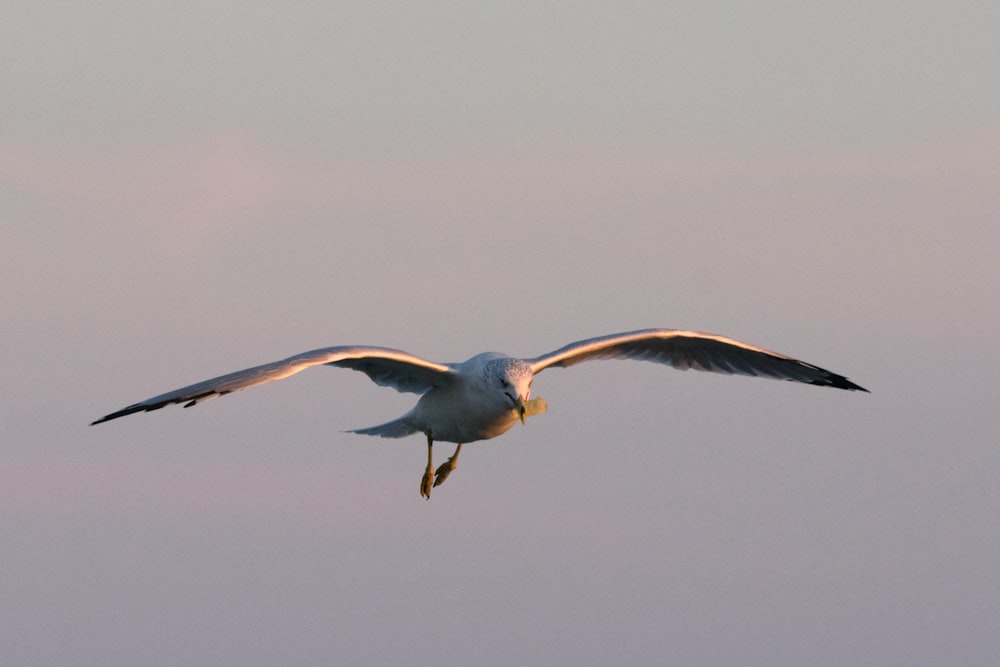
511, 379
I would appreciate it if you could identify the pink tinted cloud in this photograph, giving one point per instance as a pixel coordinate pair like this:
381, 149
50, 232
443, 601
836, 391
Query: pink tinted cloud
220, 182
177, 193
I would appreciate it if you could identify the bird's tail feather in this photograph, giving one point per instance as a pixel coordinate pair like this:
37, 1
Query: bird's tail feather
397, 428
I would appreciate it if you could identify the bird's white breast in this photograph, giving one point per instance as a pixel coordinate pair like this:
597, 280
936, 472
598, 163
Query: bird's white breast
464, 413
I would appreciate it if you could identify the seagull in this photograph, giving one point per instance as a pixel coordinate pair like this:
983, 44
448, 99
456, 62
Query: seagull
486, 395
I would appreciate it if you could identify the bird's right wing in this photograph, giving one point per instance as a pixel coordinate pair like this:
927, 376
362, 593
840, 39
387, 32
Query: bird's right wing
386, 367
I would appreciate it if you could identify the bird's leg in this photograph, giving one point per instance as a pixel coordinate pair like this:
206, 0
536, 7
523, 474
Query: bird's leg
427, 482
446, 467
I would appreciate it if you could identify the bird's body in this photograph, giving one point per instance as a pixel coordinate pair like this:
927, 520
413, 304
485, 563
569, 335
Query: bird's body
467, 408
486, 395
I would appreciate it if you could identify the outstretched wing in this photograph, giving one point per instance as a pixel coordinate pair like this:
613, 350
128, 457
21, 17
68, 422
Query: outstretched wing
691, 349
386, 367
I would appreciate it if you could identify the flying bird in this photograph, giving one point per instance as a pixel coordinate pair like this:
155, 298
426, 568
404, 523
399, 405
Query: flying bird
486, 395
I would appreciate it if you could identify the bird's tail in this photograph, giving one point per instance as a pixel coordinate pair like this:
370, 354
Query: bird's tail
397, 428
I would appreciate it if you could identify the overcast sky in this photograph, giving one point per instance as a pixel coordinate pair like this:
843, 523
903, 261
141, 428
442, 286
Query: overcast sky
187, 189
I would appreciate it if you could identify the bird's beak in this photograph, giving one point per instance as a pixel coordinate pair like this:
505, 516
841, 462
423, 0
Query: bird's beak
519, 406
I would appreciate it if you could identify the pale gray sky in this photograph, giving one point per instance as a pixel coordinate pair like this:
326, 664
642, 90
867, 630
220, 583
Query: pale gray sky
190, 189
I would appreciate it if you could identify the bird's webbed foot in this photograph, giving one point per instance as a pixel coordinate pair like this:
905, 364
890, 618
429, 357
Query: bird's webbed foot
426, 483
447, 467
428, 479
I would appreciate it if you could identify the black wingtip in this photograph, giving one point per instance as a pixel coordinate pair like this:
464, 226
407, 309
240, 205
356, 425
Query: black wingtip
844, 383
115, 415
840, 382
130, 410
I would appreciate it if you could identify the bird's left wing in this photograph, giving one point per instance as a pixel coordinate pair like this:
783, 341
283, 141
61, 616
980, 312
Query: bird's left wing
385, 366
691, 349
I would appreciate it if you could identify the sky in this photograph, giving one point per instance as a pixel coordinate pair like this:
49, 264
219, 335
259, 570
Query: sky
188, 189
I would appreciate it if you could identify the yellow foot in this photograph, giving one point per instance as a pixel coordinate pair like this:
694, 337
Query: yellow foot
444, 470
426, 483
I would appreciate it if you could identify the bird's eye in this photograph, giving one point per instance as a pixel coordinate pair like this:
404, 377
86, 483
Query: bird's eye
504, 383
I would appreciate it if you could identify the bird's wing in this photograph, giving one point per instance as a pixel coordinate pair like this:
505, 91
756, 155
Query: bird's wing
386, 367
691, 349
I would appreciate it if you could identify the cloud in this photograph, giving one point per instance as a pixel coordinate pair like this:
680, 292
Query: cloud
177, 194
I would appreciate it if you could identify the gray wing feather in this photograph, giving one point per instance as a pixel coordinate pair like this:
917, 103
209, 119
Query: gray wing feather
386, 367
692, 349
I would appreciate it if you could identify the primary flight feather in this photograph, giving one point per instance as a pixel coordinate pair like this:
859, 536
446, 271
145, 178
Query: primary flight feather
486, 395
